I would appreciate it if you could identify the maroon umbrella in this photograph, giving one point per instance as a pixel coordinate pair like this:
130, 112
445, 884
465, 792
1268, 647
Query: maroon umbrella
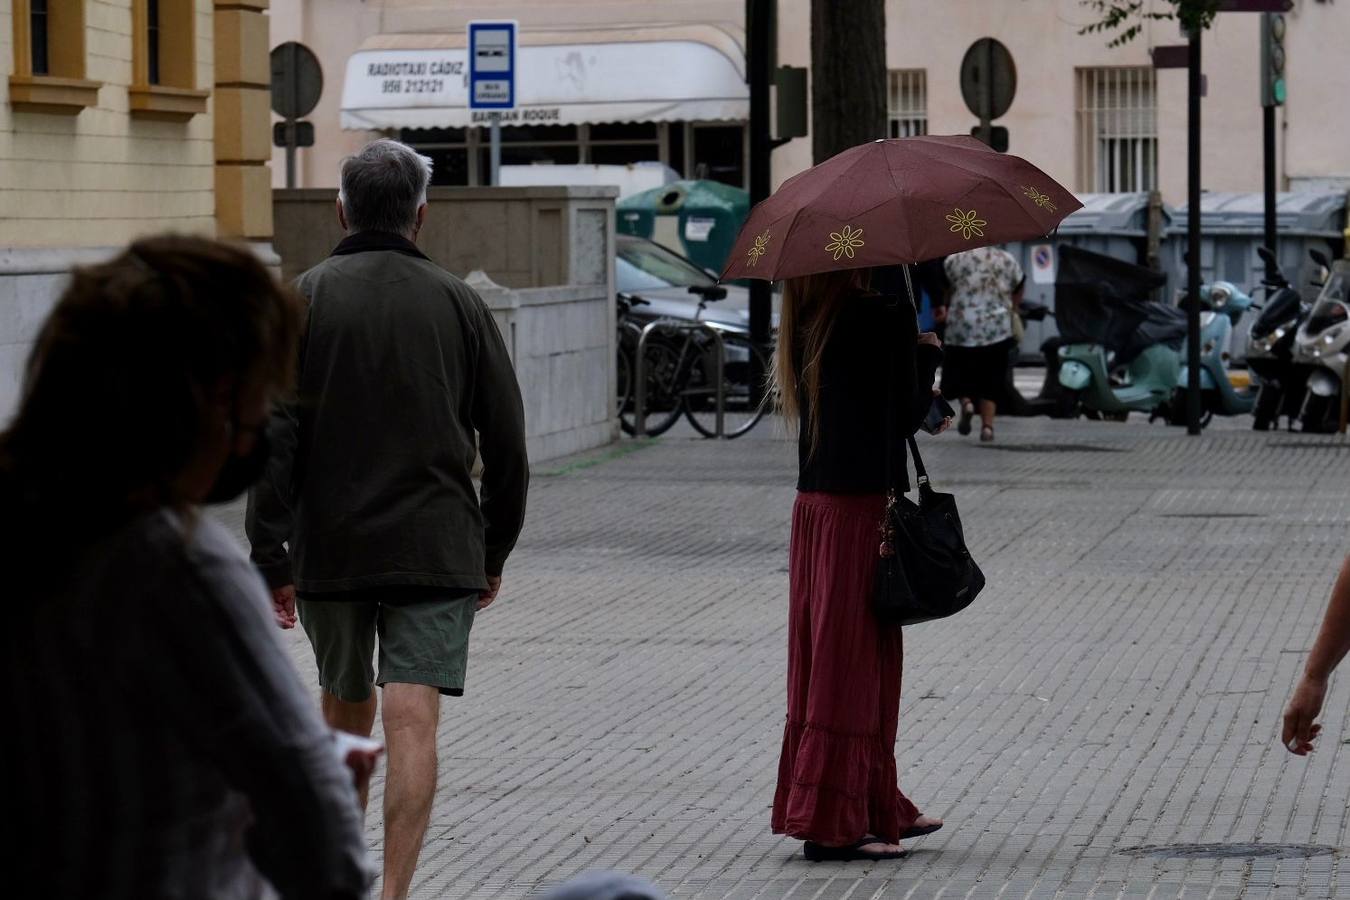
897, 201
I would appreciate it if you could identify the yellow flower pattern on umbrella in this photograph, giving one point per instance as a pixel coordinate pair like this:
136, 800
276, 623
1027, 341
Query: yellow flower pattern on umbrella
1041, 200
759, 248
967, 224
844, 243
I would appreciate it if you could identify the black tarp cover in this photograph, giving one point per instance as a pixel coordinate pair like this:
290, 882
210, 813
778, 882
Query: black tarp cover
1103, 300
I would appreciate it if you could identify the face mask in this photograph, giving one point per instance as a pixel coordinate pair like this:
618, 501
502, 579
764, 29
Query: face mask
241, 472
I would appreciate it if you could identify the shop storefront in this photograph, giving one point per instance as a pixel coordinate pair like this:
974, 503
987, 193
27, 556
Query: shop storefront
669, 94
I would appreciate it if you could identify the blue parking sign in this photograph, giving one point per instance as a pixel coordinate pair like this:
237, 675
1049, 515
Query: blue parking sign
492, 65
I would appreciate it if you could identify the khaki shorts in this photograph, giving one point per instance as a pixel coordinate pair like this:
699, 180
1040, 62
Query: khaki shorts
424, 638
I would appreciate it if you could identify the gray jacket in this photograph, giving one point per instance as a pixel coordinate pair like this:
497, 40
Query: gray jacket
401, 368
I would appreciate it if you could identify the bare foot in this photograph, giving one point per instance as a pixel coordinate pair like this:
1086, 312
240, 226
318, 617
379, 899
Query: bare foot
926, 821
880, 847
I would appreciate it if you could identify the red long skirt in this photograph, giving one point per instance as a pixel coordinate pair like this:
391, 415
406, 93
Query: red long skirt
836, 776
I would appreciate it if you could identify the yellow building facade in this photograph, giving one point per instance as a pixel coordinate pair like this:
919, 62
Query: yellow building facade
120, 118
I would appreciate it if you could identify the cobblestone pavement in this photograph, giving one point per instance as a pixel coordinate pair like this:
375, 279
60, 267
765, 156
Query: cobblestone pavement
1117, 688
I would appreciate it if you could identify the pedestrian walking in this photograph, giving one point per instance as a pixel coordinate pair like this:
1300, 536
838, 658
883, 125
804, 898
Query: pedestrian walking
981, 332
164, 746
368, 523
848, 360
1331, 646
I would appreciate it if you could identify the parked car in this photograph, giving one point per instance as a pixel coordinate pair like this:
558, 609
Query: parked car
664, 279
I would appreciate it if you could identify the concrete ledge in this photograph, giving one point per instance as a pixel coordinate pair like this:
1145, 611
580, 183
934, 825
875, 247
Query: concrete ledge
59, 260
557, 192
50, 260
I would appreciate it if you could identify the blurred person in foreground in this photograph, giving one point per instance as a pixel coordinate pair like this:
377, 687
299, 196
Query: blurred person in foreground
165, 746
368, 523
1333, 642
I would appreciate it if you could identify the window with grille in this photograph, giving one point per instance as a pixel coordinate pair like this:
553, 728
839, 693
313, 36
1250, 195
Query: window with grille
1117, 145
908, 104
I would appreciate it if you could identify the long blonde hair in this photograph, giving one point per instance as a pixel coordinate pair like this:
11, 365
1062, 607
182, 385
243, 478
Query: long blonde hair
811, 304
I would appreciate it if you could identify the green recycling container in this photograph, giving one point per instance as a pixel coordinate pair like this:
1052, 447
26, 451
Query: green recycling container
699, 219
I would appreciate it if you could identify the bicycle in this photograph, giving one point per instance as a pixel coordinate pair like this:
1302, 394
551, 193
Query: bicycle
679, 369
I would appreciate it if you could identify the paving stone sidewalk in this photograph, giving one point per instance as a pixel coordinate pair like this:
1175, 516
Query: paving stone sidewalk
1117, 688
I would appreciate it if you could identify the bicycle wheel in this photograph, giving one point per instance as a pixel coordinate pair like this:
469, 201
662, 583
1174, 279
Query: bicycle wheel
742, 408
662, 399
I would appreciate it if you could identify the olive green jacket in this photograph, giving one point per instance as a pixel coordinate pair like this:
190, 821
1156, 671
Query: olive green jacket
403, 380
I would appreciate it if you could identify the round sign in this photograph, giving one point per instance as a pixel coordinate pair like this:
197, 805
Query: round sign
988, 78
297, 80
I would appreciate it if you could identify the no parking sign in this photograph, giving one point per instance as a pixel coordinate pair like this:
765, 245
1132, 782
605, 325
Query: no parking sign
1042, 264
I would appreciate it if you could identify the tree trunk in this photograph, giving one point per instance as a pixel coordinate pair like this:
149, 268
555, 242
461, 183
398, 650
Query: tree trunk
848, 75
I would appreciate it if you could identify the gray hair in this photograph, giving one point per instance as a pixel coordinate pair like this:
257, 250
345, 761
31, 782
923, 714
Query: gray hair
383, 186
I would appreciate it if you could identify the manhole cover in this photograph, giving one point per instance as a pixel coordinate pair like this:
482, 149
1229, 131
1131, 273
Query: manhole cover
1053, 448
1231, 851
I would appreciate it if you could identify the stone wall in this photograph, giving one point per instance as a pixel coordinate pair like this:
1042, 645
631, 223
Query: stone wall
521, 237
562, 343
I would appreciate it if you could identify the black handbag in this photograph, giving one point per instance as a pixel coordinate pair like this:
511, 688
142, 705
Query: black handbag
925, 571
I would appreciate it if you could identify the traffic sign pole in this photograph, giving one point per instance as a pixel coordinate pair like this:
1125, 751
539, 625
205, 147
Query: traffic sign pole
297, 83
492, 81
293, 63
1193, 239
495, 151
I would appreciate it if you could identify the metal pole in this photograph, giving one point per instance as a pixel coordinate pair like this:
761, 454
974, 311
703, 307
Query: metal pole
495, 150
293, 59
719, 371
290, 153
759, 34
640, 388
1193, 239
1268, 140
1345, 399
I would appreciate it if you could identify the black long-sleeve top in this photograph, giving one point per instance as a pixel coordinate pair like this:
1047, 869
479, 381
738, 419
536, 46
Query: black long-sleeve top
872, 358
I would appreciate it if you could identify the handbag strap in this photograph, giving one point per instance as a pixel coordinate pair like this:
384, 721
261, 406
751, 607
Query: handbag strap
920, 471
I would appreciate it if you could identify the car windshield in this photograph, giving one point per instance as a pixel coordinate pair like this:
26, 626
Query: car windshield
647, 266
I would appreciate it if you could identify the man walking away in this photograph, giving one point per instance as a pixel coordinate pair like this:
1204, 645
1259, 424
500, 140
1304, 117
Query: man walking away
403, 379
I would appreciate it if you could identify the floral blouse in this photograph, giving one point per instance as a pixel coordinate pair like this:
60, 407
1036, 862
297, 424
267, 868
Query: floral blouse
979, 312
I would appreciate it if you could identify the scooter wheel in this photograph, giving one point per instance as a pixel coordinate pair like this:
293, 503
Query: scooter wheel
1066, 404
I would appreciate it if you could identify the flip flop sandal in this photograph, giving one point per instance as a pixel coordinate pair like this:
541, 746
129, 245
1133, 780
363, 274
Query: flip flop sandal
986, 434
821, 853
919, 831
963, 424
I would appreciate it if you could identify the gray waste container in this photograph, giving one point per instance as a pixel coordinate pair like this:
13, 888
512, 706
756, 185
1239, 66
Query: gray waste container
1113, 224
1232, 227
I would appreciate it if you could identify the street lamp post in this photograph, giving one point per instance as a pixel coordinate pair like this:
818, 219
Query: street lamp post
1193, 237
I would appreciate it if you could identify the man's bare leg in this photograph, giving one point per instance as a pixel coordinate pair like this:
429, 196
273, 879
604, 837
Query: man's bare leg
356, 718
411, 713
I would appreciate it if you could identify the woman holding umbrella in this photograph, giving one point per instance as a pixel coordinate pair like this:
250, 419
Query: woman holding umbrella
851, 366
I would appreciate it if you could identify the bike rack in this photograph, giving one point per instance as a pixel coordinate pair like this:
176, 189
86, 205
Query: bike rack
640, 371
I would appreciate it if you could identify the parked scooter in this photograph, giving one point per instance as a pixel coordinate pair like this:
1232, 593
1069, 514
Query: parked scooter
1323, 346
1270, 349
1121, 350
1222, 304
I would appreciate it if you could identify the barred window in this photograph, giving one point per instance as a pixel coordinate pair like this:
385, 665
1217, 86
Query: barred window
908, 105
1117, 143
